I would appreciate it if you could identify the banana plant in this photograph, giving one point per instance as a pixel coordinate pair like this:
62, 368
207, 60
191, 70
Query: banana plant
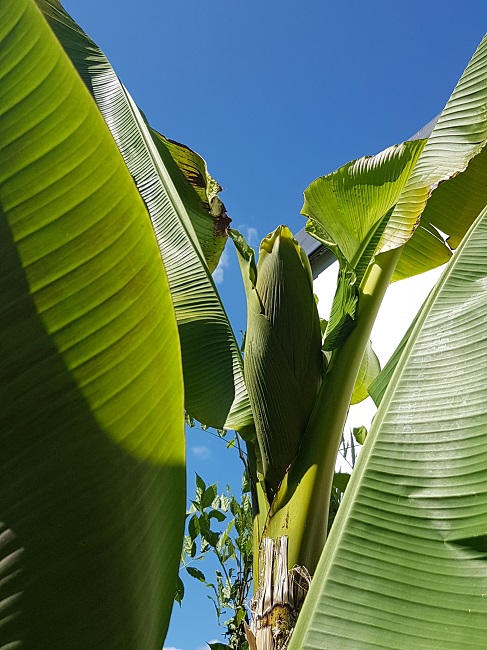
110, 232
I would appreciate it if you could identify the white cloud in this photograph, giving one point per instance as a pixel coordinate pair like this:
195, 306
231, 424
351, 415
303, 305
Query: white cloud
206, 646
170, 648
252, 237
222, 264
250, 234
201, 452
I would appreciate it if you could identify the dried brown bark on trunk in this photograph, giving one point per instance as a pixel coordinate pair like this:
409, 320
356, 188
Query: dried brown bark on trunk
276, 605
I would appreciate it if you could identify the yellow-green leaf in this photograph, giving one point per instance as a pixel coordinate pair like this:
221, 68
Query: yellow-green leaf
369, 369
349, 203
92, 474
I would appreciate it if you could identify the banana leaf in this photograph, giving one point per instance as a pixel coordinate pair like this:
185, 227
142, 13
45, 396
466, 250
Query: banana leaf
92, 481
427, 210
405, 564
348, 211
451, 209
215, 392
349, 203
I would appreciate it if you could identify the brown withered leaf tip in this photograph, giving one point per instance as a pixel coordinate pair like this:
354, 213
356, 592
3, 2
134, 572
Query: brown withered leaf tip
219, 213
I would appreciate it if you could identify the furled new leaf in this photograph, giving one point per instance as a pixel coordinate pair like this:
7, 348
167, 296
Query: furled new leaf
91, 398
283, 360
215, 391
405, 565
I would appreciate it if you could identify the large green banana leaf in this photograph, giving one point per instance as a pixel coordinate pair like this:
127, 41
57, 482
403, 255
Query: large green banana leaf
215, 391
348, 211
349, 203
406, 563
345, 207
92, 483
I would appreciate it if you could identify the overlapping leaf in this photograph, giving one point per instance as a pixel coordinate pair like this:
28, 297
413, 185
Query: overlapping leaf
349, 203
451, 209
405, 565
369, 370
425, 250
199, 193
215, 390
343, 309
348, 211
91, 398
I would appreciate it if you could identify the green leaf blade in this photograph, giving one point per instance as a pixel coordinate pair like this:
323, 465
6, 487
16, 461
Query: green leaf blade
347, 204
454, 205
91, 406
196, 573
425, 251
405, 563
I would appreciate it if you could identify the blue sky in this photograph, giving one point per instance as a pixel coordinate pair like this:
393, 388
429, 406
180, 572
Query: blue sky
273, 94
